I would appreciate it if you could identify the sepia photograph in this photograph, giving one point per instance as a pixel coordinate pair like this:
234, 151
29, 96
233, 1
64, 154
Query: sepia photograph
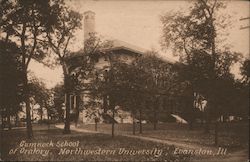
124, 80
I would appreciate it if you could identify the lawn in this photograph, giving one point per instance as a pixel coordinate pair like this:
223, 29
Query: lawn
234, 136
101, 147
109, 148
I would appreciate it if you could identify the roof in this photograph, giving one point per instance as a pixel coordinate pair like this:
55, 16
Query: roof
122, 45
89, 11
118, 44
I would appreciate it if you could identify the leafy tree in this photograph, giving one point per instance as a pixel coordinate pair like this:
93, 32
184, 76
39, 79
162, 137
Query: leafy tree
40, 94
133, 85
199, 73
25, 22
58, 100
86, 75
195, 37
245, 71
59, 34
10, 80
128, 88
160, 83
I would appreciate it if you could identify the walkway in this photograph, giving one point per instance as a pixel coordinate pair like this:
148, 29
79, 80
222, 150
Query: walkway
167, 142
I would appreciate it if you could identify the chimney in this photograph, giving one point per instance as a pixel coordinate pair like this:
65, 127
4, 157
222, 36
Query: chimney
89, 24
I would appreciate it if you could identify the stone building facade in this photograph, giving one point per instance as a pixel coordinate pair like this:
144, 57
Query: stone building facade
119, 51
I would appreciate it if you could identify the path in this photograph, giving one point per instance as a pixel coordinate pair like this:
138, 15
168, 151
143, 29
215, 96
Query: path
167, 142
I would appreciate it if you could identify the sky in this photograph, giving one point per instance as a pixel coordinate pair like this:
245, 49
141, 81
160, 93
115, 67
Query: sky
138, 23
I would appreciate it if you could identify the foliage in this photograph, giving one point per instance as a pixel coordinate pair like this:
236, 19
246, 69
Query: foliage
62, 25
245, 71
160, 86
195, 30
11, 89
60, 30
25, 22
195, 38
41, 95
58, 100
137, 85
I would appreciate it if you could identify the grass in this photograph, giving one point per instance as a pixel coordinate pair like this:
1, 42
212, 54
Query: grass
11, 139
234, 136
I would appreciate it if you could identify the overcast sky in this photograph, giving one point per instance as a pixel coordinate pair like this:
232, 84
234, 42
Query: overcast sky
138, 23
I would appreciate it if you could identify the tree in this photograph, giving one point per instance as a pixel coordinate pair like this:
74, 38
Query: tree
160, 82
58, 100
87, 78
10, 80
59, 35
40, 94
245, 71
132, 85
24, 22
129, 81
194, 36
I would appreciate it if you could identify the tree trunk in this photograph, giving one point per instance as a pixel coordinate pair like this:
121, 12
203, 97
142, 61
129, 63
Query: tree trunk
48, 116
191, 118
77, 109
214, 55
171, 106
202, 113
140, 121
67, 87
67, 100
7, 37
27, 102
192, 103
191, 124
41, 115
133, 123
207, 124
113, 121
95, 125
8, 120
2, 120
32, 112
216, 133
155, 119
67, 118
105, 103
28, 119
17, 120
